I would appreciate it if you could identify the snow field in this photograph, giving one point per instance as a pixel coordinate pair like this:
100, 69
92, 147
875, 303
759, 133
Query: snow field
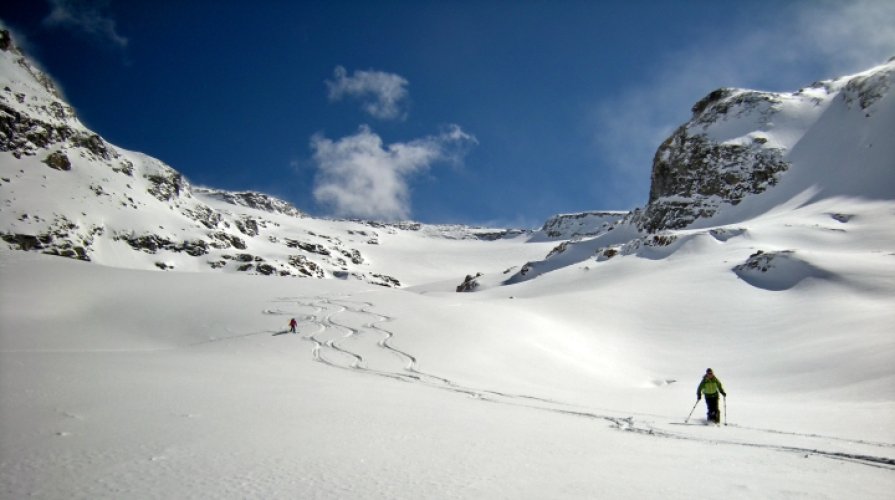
185, 385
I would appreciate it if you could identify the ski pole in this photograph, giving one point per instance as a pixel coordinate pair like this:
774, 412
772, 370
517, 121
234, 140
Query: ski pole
691, 411
726, 419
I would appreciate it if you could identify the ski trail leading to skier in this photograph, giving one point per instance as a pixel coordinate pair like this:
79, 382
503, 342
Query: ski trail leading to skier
347, 334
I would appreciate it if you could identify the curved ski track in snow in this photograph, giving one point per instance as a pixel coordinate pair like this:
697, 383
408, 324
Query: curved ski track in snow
366, 348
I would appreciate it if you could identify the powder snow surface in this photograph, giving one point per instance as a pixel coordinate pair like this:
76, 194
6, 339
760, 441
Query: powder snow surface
121, 383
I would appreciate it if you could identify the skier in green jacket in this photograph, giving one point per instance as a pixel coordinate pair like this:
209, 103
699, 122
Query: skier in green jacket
711, 386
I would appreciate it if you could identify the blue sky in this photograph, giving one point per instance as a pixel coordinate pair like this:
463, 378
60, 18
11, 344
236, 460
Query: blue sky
477, 112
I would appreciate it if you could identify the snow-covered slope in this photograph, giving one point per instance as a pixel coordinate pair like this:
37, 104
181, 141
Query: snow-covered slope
125, 383
748, 156
65, 191
572, 379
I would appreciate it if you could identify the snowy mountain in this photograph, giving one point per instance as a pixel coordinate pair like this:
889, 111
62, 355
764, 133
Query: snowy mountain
65, 191
746, 155
156, 361
830, 137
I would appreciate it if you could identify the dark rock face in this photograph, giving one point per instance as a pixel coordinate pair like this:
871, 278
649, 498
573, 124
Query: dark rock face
64, 238
469, 284
22, 135
693, 175
149, 243
353, 255
498, 235
306, 267
5, 40
222, 240
761, 261
167, 186
731, 103
265, 269
246, 257
713, 98
308, 247
558, 249
384, 280
867, 90
58, 161
204, 215
28, 242
152, 243
248, 226
93, 143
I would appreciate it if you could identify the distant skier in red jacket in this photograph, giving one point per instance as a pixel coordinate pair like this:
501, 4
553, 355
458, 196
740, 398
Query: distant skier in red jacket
292, 325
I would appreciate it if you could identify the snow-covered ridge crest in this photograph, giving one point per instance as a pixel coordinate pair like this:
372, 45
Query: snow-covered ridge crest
33, 114
44, 97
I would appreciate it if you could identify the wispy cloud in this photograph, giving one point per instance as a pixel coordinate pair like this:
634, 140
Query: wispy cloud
382, 94
808, 41
87, 17
359, 176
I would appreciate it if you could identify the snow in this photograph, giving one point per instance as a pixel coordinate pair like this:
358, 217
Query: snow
119, 380
129, 383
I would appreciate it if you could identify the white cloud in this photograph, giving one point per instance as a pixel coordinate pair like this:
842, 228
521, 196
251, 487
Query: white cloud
85, 16
808, 41
383, 94
359, 176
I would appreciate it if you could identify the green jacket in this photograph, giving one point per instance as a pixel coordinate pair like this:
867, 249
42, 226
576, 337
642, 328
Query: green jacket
710, 386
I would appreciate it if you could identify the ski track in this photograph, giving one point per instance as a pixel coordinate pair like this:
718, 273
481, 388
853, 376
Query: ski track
360, 349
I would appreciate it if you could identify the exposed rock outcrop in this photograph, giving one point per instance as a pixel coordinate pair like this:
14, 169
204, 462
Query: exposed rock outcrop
695, 174
258, 201
571, 226
470, 283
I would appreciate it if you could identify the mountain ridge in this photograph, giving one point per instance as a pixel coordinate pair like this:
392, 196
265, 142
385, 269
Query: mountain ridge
744, 154
68, 192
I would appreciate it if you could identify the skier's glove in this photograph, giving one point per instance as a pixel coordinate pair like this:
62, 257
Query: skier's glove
724, 394
698, 397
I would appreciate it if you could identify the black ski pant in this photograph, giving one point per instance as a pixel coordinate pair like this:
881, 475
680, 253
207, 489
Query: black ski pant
711, 404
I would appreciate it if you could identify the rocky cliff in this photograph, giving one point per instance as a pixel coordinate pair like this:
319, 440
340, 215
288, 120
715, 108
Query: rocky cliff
739, 143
